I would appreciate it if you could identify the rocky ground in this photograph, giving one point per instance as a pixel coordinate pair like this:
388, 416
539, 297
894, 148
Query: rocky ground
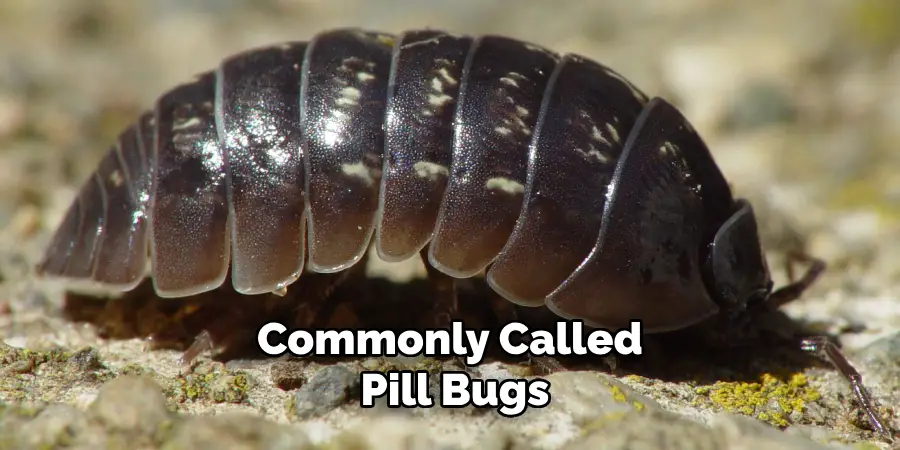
800, 102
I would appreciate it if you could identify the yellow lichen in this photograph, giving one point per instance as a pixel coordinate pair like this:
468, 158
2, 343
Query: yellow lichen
218, 386
617, 394
770, 400
633, 378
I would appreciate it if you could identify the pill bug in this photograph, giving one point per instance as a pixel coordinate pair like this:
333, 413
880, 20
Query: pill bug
550, 173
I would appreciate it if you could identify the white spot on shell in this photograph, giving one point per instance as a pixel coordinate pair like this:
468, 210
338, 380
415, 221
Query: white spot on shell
365, 77
505, 185
116, 178
279, 155
212, 158
593, 153
334, 125
509, 81
446, 76
430, 170
614, 133
358, 170
597, 135
184, 124
503, 131
409, 45
339, 115
438, 98
438, 101
349, 96
667, 149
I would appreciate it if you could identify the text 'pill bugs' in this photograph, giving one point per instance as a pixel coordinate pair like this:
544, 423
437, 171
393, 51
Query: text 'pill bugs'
552, 174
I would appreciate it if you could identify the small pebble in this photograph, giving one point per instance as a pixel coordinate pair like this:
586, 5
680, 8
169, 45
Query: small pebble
86, 360
288, 375
329, 388
130, 404
53, 426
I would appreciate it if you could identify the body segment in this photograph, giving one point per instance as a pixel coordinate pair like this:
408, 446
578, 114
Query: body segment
426, 73
258, 119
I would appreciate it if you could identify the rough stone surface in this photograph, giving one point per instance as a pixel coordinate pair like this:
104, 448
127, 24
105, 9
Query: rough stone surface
665, 430
798, 101
235, 431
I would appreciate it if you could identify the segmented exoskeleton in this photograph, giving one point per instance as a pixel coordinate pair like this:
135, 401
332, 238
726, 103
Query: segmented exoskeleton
550, 172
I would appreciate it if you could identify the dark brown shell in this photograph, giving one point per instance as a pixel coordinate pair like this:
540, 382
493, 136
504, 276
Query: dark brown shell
550, 172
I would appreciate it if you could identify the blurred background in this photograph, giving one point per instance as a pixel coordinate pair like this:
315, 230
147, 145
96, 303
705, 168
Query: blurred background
799, 101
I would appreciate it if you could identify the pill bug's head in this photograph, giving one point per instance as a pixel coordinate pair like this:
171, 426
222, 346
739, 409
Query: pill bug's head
737, 274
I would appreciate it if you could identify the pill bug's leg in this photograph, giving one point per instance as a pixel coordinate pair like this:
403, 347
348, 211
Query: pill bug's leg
823, 347
820, 345
202, 343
